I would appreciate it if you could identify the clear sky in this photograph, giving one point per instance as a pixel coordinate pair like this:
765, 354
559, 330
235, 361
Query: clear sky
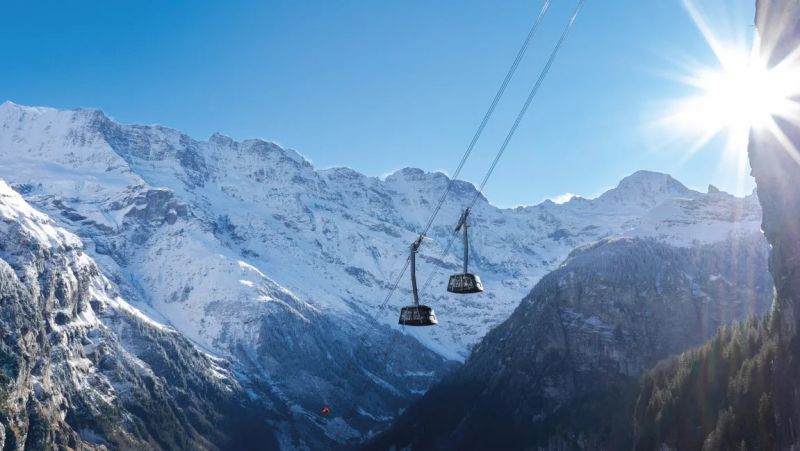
380, 85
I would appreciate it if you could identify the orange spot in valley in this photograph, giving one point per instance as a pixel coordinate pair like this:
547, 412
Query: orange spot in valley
326, 410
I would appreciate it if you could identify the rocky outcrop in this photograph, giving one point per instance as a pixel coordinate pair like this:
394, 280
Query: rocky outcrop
81, 369
576, 346
775, 159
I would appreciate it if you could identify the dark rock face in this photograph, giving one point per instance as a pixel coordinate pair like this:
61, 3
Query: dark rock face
157, 206
776, 164
579, 342
136, 142
775, 160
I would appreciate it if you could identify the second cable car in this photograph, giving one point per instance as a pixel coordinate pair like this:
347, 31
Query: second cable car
464, 283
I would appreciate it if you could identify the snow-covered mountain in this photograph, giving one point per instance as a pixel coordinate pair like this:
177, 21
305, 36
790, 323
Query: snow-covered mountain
81, 369
270, 207
260, 258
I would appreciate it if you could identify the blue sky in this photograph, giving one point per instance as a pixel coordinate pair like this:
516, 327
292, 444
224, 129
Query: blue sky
380, 85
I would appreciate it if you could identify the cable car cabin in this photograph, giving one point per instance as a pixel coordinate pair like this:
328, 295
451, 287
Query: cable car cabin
464, 284
418, 315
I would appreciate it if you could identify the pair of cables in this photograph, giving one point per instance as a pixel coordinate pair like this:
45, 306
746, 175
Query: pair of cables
489, 112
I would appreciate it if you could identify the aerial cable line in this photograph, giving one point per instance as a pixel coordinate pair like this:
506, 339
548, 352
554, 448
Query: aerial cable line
531, 96
509, 75
396, 283
489, 112
529, 100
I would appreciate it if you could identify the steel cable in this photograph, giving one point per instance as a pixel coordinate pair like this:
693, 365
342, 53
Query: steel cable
489, 112
531, 96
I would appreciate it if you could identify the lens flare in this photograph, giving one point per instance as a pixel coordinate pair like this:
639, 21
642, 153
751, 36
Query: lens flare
738, 93
745, 93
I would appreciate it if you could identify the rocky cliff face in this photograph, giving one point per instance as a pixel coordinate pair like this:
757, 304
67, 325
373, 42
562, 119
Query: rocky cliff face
81, 369
775, 159
580, 340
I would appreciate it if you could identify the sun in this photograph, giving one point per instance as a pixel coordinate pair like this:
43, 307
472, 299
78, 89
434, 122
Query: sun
740, 94
731, 96
743, 94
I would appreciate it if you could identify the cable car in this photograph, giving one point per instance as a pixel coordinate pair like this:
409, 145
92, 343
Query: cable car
416, 314
464, 283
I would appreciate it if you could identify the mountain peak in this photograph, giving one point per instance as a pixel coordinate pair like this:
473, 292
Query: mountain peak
647, 189
342, 172
9, 106
267, 148
220, 139
407, 173
417, 174
652, 179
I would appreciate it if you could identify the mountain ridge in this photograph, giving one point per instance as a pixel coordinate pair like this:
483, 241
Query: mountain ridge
227, 241
648, 179
135, 155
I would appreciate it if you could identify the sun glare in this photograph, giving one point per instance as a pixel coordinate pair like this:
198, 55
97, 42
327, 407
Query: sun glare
745, 93
737, 93
741, 94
